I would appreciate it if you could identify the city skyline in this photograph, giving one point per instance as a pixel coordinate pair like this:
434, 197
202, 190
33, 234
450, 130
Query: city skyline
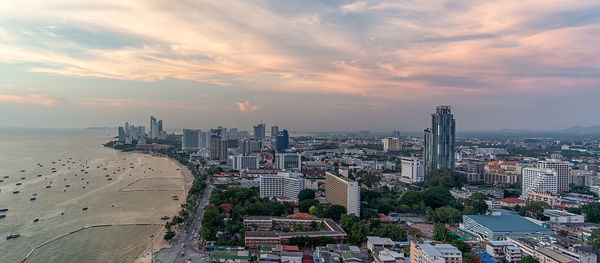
319, 65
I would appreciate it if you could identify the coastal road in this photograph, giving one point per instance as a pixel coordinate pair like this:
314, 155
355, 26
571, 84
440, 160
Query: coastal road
185, 240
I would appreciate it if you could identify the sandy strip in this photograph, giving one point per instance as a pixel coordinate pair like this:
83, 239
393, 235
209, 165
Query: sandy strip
158, 242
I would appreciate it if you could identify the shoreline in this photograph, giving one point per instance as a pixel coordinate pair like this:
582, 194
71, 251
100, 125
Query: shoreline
158, 242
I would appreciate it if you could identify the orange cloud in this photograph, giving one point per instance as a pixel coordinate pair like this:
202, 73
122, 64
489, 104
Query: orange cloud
246, 107
29, 99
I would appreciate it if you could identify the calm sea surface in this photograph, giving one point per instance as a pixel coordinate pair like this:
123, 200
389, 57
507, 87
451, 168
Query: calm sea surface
116, 188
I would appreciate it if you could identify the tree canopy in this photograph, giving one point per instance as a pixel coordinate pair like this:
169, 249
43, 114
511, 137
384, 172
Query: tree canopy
445, 177
306, 194
592, 212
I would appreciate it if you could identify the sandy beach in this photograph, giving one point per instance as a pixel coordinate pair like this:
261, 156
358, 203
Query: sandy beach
158, 242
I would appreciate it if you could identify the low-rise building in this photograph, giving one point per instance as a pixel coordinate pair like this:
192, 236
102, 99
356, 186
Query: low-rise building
499, 224
429, 253
563, 217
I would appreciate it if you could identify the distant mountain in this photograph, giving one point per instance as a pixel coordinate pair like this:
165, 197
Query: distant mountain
582, 130
99, 128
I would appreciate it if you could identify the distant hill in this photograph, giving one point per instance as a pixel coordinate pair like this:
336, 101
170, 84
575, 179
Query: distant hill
99, 128
582, 130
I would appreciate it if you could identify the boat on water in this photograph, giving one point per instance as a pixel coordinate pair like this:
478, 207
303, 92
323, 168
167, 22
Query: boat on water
85, 208
2, 216
18, 183
33, 199
175, 197
39, 175
1, 180
16, 192
109, 179
6, 176
165, 218
11, 236
22, 178
34, 194
68, 185
22, 171
3, 209
47, 186
36, 219
62, 213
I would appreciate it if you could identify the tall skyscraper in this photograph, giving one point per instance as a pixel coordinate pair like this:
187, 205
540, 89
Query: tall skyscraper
282, 140
563, 171
122, 134
259, 131
153, 128
160, 126
439, 140
274, 131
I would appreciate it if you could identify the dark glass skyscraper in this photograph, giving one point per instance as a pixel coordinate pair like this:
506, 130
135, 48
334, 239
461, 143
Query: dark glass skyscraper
439, 140
282, 140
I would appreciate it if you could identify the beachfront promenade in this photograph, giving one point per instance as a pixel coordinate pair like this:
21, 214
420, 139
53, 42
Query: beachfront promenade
185, 239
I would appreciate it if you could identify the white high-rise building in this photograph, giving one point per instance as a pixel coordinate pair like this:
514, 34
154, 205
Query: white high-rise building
392, 144
288, 161
539, 180
283, 184
243, 163
412, 170
563, 171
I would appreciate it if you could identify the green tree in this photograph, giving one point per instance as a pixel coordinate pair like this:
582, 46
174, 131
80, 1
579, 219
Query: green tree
440, 233
306, 194
306, 204
446, 178
529, 259
446, 214
437, 197
411, 198
594, 239
534, 209
334, 212
369, 179
358, 234
315, 210
169, 235
592, 212
462, 246
476, 204
395, 232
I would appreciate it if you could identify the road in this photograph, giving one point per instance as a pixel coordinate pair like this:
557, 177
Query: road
185, 239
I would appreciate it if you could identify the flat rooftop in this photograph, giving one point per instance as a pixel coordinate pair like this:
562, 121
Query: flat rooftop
508, 221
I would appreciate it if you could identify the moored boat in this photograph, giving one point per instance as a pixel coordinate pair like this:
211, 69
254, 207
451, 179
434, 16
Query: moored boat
11, 236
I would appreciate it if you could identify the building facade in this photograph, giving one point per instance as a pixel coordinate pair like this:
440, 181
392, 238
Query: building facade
243, 163
539, 180
342, 191
190, 140
283, 184
392, 144
412, 170
439, 148
563, 172
429, 253
288, 161
259, 131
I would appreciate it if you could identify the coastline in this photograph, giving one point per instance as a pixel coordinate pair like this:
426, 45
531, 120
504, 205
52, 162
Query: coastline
158, 242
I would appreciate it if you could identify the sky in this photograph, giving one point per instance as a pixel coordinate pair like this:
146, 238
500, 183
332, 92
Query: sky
302, 65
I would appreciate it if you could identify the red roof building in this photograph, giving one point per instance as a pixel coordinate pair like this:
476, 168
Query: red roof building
512, 202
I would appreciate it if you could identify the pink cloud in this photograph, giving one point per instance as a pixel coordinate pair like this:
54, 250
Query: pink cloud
246, 107
29, 99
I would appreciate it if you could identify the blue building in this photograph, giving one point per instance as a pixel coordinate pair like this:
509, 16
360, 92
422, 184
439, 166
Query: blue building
500, 224
282, 140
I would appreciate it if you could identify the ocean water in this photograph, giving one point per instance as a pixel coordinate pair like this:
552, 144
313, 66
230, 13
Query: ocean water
139, 192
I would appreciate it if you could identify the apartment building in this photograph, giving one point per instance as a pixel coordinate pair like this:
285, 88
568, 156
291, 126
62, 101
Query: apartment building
428, 253
342, 191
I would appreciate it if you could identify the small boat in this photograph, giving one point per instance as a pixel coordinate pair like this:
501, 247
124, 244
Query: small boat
85, 208
68, 185
18, 183
108, 175
47, 186
6, 176
36, 219
62, 213
2, 216
34, 194
11, 236
39, 175
22, 171
1, 180
165, 218
175, 197
113, 205
54, 171
3, 209
108, 179
16, 192
22, 178
33, 199
83, 186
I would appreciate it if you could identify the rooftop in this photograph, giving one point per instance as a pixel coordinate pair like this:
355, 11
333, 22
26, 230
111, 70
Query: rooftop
508, 221
219, 254
513, 201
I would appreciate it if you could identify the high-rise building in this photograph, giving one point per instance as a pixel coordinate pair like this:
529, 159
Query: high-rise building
233, 134
539, 180
248, 146
563, 171
153, 128
288, 161
127, 129
122, 136
392, 144
412, 170
259, 131
439, 140
282, 140
215, 147
274, 131
160, 126
243, 163
283, 184
204, 139
396, 134
190, 140
342, 191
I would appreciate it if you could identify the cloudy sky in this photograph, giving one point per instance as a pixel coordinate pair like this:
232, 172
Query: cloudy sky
304, 65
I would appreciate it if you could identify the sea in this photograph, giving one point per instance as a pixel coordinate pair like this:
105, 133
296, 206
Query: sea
93, 203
